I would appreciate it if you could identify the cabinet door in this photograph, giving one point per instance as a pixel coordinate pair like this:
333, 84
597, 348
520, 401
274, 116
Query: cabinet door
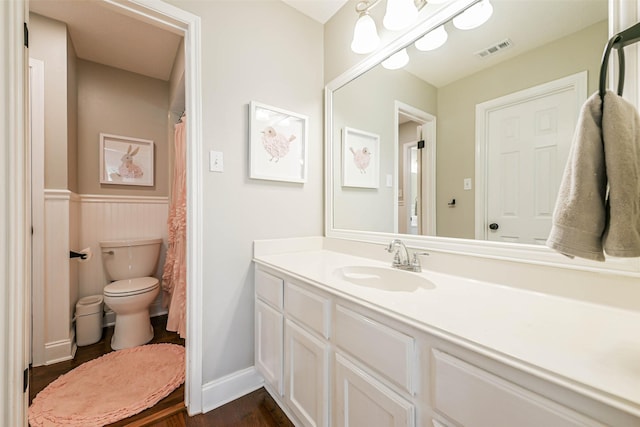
307, 376
269, 345
474, 397
361, 400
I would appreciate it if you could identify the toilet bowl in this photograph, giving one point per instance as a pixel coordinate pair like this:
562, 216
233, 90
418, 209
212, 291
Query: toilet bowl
129, 265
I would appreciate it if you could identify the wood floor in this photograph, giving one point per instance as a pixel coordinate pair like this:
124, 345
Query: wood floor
256, 409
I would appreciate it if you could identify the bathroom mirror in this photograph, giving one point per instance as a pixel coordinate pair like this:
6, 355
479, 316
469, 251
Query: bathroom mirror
442, 193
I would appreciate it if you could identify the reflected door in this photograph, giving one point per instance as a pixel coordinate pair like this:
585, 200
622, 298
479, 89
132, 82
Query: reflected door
528, 145
412, 181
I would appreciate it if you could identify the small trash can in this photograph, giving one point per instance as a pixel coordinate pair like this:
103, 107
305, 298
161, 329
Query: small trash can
89, 320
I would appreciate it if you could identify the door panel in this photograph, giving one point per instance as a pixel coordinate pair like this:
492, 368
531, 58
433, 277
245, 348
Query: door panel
528, 138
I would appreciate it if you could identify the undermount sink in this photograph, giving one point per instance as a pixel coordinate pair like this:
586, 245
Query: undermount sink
386, 279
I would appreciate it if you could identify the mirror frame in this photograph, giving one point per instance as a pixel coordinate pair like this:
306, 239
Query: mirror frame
622, 14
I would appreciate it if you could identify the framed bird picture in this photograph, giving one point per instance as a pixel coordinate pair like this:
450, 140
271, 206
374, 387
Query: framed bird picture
360, 158
277, 144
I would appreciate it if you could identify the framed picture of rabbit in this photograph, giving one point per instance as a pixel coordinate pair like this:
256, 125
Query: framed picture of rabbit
125, 160
360, 158
277, 144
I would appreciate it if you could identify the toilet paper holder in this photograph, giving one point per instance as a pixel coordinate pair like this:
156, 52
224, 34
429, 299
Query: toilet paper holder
73, 254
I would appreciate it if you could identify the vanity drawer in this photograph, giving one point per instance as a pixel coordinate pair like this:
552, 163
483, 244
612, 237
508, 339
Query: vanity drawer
387, 351
269, 288
474, 397
308, 308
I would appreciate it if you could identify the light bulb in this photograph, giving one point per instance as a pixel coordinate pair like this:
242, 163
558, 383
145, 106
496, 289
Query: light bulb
397, 60
433, 39
365, 35
399, 15
475, 16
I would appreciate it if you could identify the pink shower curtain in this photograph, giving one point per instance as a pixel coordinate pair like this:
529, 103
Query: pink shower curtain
174, 277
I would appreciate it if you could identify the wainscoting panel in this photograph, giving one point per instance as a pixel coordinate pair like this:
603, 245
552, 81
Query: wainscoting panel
117, 218
56, 318
72, 223
74, 245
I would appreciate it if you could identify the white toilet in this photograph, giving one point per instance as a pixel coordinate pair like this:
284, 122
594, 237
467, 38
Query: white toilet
129, 265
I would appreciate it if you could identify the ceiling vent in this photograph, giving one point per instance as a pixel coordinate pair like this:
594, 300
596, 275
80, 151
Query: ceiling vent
492, 50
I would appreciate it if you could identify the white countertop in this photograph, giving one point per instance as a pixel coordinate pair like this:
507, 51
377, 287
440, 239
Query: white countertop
594, 349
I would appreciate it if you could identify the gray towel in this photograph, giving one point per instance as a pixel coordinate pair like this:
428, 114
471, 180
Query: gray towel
587, 219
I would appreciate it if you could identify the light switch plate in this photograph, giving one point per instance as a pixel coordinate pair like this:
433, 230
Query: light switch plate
216, 161
467, 183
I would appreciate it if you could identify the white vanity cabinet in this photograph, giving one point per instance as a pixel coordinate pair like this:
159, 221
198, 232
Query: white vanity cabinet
331, 360
269, 329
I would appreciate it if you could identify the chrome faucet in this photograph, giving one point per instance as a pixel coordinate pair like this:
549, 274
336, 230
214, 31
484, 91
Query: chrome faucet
401, 258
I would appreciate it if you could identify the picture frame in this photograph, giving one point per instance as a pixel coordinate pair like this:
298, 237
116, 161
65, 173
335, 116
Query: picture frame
360, 158
277, 144
126, 161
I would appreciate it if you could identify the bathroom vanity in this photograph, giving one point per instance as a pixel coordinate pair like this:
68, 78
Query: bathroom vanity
345, 340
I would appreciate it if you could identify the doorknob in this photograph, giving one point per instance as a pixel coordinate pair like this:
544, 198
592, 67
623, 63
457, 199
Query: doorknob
494, 226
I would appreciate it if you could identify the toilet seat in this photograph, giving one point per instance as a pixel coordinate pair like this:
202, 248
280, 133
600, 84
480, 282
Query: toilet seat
129, 287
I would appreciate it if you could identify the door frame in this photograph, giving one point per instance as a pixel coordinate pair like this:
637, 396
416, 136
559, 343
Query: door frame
576, 82
187, 24
428, 187
15, 266
14, 212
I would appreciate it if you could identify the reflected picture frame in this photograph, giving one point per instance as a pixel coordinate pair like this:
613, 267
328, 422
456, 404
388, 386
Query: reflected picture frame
126, 161
360, 158
277, 144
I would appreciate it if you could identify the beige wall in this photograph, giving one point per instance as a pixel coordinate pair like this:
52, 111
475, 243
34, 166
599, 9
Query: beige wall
48, 43
368, 104
122, 103
456, 114
72, 118
268, 52
252, 50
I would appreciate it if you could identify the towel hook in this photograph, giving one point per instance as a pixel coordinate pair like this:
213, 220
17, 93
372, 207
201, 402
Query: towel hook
619, 41
605, 61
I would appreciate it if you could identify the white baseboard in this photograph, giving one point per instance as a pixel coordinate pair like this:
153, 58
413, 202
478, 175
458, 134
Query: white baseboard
59, 351
224, 390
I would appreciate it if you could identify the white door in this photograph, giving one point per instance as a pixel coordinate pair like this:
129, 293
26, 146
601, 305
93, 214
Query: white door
528, 136
36, 296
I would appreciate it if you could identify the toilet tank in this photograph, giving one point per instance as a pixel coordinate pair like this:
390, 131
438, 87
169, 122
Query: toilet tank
128, 259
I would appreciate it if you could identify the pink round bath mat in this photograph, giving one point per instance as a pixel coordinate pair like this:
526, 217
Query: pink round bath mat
110, 388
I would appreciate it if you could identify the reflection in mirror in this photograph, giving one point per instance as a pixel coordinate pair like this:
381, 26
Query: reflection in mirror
496, 108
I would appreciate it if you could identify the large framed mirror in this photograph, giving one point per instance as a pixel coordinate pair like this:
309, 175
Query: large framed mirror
471, 138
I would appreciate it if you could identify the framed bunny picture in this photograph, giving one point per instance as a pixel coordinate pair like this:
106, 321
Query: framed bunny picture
126, 161
360, 158
277, 144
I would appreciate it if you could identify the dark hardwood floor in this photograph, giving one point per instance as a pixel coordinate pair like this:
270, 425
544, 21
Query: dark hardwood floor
256, 409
